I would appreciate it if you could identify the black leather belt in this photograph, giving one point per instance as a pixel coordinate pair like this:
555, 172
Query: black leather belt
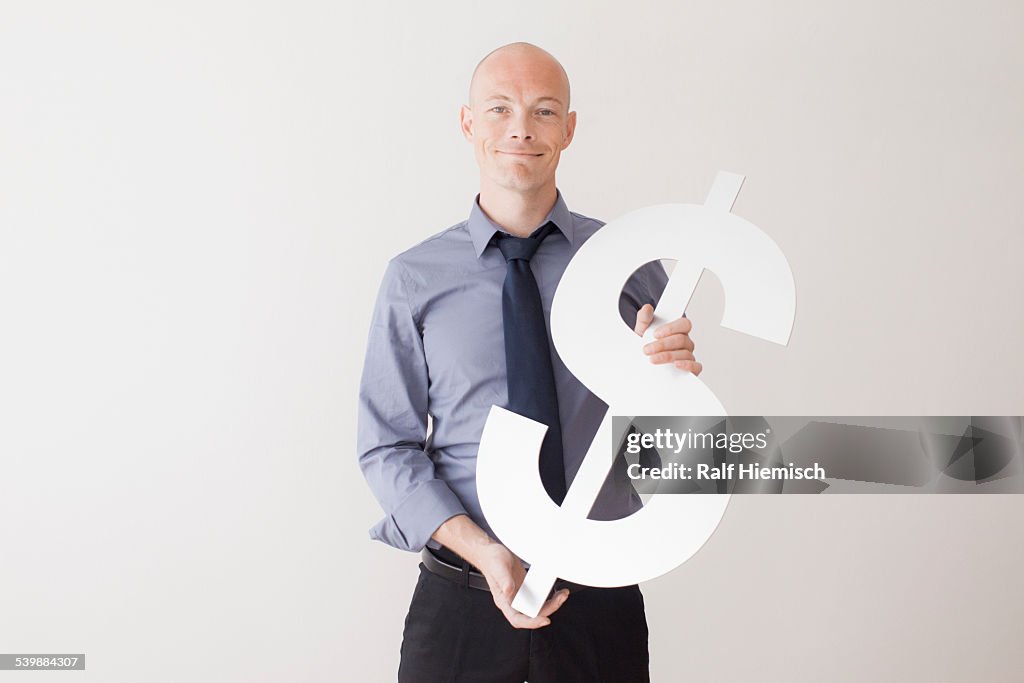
444, 568
442, 562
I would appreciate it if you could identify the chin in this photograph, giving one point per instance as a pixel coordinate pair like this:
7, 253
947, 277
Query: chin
519, 179
522, 184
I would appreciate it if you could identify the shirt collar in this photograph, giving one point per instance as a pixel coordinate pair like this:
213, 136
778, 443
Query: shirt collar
482, 228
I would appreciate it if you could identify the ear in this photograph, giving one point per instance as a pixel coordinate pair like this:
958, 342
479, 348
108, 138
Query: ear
466, 122
570, 129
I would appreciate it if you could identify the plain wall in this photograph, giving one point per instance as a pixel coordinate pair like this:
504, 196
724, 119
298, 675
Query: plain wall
197, 201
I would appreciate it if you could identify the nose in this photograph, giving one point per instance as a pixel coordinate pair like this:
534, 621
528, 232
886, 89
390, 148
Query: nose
521, 126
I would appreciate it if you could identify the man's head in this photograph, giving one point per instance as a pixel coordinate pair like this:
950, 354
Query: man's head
518, 117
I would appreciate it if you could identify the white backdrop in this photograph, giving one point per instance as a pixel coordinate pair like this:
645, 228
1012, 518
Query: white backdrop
197, 201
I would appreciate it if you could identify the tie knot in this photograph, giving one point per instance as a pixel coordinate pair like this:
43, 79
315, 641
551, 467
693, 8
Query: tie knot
523, 248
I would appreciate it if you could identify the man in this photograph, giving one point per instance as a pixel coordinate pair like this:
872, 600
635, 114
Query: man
459, 326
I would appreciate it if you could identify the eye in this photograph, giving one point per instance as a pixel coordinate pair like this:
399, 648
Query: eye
547, 112
498, 107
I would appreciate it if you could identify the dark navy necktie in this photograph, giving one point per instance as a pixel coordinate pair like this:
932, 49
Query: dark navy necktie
531, 377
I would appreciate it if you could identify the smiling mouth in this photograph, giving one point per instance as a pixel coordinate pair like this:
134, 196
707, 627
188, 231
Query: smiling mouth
522, 154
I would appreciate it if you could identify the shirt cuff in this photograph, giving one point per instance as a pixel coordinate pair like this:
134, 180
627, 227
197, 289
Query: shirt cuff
414, 521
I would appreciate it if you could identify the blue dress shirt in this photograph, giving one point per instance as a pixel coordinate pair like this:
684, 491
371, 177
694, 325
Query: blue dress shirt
436, 347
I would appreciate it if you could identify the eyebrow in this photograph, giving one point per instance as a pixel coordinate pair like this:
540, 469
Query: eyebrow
506, 98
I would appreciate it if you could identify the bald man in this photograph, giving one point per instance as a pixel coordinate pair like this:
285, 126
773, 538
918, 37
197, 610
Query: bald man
437, 347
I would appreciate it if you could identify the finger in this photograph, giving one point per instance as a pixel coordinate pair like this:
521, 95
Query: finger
676, 341
520, 620
644, 317
672, 357
689, 366
554, 602
677, 326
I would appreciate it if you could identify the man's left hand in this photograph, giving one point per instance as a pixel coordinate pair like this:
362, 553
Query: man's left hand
672, 342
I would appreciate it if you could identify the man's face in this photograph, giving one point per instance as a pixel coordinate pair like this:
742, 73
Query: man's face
518, 119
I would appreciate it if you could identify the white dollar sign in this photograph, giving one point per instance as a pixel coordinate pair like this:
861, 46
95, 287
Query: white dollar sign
602, 352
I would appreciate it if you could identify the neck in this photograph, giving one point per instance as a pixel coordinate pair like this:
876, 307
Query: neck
519, 213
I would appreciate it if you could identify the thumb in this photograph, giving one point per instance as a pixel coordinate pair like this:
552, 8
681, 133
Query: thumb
644, 317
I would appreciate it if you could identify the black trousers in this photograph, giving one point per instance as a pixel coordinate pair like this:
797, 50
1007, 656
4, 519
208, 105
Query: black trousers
455, 633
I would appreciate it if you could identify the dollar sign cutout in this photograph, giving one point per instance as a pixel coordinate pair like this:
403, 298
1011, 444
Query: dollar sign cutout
604, 354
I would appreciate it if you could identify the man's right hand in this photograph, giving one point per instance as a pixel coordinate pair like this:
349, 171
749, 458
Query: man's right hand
502, 569
505, 574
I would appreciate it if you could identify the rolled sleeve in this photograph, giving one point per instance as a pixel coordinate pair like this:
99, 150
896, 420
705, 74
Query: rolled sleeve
392, 430
411, 524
